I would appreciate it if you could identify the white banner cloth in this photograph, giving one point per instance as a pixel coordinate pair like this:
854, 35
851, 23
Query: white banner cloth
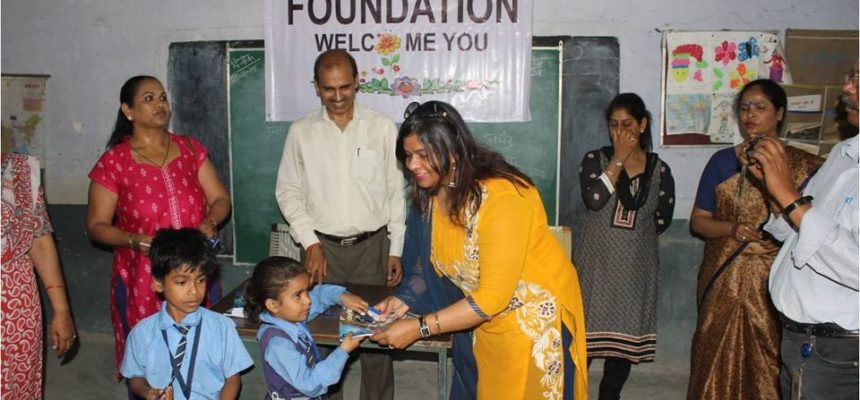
473, 54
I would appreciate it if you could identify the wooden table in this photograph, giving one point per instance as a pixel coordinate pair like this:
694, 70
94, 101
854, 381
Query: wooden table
324, 329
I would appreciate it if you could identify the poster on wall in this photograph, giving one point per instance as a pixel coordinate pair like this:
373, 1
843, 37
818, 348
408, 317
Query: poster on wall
23, 115
474, 55
702, 73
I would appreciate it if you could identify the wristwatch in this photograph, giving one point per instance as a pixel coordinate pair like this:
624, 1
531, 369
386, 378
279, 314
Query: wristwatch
787, 210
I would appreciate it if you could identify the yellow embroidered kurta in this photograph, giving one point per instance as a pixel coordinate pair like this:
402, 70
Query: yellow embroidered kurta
514, 271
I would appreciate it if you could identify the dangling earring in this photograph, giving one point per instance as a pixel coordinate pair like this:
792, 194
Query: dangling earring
453, 182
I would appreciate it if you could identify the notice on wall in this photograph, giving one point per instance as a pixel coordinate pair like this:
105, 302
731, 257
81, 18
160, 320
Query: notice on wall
702, 73
23, 115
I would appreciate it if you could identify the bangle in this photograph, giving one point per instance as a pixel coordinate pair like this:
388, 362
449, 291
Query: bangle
57, 286
423, 328
734, 229
132, 241
787, 210
438, 326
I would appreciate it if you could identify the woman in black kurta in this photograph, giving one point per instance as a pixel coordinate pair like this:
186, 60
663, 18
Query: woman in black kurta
629, 193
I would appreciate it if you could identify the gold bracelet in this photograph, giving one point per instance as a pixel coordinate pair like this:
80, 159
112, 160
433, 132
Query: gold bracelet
438, 327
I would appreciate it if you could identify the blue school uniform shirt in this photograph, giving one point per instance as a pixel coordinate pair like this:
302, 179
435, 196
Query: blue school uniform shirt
288, 362
220, 353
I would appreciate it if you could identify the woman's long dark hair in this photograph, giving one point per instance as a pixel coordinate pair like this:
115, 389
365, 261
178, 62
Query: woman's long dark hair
123, 126
444, 134
633, 104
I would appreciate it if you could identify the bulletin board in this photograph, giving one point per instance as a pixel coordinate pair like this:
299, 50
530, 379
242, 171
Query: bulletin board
702, 73
23, 114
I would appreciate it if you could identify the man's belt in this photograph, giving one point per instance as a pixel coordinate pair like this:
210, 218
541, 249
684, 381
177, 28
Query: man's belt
347, 241
828, 329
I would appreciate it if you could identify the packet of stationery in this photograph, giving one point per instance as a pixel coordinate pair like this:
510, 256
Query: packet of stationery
363, 325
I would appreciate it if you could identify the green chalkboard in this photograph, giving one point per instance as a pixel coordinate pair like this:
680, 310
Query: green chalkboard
256, 145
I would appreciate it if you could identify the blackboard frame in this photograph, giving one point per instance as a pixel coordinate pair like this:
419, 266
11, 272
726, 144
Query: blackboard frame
590, 80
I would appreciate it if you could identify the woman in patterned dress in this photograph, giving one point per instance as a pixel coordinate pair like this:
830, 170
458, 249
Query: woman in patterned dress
148, 179
27, 246
629, 193
490, 237
735, 353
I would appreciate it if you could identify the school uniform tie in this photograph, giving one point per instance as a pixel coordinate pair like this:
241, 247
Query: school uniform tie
180, 350
309, 349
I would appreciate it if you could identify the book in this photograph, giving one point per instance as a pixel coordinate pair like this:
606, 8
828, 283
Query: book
363, 325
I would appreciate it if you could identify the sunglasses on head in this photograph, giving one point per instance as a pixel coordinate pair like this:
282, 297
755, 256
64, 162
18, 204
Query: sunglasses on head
414, 106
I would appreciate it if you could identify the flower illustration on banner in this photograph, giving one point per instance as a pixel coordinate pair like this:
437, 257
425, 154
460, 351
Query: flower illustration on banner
388, 43
726, 52
406, 86
378, 79
741, 76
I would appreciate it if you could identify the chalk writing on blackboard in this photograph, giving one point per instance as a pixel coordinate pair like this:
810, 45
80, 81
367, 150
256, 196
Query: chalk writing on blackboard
499, 140
244, 66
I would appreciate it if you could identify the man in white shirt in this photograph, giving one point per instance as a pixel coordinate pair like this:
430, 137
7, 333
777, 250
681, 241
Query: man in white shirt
341, 191
814, 278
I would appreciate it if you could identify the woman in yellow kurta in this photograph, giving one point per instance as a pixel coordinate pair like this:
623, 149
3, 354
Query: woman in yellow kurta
490, 238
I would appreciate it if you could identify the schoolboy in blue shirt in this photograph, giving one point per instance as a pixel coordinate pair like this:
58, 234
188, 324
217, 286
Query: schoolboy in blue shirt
184, 351
278, 296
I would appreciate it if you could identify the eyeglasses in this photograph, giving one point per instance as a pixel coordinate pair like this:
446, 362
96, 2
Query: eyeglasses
415, 106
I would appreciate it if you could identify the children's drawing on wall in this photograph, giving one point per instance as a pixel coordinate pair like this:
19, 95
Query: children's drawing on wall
776, 61
688, 67
703, 72
722, 126
688, 113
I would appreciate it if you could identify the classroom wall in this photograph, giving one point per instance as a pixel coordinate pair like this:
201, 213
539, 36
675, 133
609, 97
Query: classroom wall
90, 47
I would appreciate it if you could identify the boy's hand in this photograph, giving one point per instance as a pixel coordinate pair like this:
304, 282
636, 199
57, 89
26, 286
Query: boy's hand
160, 394
354, 303
349, 343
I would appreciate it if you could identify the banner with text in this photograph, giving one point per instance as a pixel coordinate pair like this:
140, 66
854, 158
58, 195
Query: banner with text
473, 54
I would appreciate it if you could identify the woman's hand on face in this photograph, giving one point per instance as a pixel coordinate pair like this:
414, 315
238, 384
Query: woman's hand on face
624, 142
393, 305
399, 335
354, 303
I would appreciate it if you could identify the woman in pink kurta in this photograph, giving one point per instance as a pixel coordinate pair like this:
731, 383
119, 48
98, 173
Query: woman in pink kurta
28, 246
149, 179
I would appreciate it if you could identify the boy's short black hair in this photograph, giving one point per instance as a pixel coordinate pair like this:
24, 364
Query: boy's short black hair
176, 248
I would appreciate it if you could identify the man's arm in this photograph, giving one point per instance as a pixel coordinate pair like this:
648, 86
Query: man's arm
827, 245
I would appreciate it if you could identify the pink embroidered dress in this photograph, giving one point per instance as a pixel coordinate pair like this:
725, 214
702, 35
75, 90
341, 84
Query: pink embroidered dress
149, 198
24, 219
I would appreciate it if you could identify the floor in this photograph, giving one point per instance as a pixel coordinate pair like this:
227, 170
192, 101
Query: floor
89, 375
